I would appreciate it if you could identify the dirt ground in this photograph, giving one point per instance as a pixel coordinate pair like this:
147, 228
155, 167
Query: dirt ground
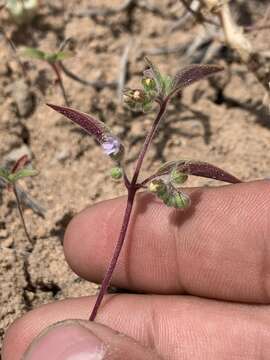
222, 121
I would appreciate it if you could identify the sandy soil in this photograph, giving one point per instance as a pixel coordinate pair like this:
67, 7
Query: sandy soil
221, 121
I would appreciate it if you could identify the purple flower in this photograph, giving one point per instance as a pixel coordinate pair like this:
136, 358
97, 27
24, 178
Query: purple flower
111, 145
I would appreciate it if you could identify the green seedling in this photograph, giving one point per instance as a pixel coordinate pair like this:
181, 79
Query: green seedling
10, 178
53, 60
166, 183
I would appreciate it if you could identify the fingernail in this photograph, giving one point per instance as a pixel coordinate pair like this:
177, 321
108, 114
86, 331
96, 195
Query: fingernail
66, 342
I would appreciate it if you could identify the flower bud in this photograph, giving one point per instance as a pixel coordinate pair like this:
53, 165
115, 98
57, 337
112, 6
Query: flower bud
158, 187
177, 177
181, 200
148, 84
134, 96
111, 145
116, 173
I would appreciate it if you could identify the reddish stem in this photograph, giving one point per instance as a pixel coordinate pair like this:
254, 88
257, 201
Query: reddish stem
21, 212
60, 81
149, 139
107, 278
132, 188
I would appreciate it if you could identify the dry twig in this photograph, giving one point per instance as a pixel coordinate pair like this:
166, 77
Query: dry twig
14, 51
97, 84
123, 71
235, 38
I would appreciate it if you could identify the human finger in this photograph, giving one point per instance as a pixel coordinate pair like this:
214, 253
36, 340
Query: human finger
219, 248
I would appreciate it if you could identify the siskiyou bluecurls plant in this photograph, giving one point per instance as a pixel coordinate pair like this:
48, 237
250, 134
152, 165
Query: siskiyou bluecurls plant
166, 183
9, 179
53, 60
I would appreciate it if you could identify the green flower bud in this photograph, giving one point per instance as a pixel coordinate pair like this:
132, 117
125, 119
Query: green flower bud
158, 187
181, 201
168, 199
134, 96
148, 84
116, 173
176, 200
177, 177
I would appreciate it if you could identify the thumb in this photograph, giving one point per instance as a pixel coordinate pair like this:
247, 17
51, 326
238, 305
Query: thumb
80, 339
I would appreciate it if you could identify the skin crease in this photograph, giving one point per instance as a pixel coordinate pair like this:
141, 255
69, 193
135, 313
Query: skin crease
218, 249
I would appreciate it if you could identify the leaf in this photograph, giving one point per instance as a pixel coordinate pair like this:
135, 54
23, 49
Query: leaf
153, 73
20, 163
58, 56
109, 142
167, 84
4, 173
191, 74
196, 168
33, 53
26, 172
62, 55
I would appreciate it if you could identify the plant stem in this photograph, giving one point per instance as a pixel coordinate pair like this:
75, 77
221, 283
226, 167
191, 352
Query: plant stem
21, 213
132, 188
97, 84
148, 140
60, 81
107, 278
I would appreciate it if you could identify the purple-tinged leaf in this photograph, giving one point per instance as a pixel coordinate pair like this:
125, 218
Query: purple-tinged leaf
193, 73
91, 125
20, 163
109, 142
197, 168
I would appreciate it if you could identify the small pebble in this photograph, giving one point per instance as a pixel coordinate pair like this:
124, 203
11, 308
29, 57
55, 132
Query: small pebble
23, 98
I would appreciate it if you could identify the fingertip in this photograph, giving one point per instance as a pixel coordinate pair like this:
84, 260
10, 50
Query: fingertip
74, 338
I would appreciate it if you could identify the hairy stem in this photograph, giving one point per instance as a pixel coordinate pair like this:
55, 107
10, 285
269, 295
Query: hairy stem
132, 188
60, 82
107, 278
21, 213
148, 140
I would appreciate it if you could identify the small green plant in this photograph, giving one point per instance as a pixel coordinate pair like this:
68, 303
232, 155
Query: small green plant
10, 177
53, 60
166, 183
22, 11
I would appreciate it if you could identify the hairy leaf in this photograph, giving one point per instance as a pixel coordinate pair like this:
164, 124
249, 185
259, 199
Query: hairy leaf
164, 83
58, 56
33, 53
154, 73
196, 168
109, 142
26, 172
193, 73
62, 55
